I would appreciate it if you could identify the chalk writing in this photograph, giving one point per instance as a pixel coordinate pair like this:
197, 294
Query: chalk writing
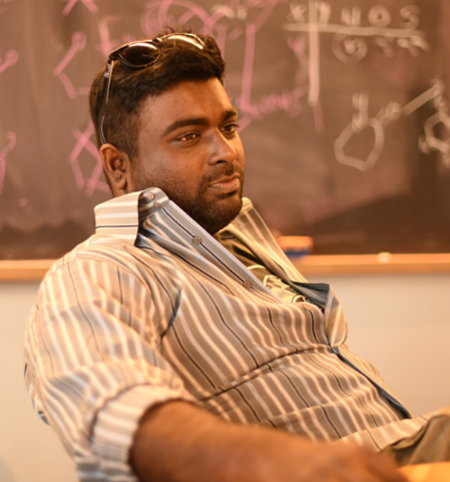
3, 5
349, 42
89, 184
239, 19
11, 142
78, 44
71, 3
106, 44
429, 142
361, 120
11, 58
435, 92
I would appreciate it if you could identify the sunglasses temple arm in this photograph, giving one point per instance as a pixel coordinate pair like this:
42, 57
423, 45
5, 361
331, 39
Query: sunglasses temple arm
102, 113
109, 81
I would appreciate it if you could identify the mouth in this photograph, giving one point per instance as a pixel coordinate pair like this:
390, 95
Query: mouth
226, 185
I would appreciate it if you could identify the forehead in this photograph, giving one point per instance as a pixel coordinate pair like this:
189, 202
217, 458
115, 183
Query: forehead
206, 99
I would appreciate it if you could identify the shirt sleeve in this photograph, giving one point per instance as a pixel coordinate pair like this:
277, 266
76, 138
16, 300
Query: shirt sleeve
93, 364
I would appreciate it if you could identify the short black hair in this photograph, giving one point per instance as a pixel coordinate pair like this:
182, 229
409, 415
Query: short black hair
178, 62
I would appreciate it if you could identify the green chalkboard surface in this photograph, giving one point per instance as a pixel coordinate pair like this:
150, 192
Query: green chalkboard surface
343, 111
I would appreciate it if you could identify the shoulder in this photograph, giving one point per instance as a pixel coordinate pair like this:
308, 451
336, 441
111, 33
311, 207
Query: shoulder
110, 256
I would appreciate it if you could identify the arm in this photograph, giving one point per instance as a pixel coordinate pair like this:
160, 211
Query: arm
93, 361
178, 442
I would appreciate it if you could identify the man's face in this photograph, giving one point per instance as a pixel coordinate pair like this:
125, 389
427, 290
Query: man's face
189, 147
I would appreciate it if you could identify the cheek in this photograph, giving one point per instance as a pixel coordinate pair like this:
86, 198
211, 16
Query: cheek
184, 183
240, 154
185, 172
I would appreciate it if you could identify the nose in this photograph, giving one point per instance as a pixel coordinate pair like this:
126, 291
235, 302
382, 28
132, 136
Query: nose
221, 149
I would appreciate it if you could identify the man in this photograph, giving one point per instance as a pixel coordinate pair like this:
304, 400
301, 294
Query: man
171, 343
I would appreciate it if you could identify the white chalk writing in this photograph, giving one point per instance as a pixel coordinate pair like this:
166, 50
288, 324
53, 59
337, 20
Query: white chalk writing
361, 120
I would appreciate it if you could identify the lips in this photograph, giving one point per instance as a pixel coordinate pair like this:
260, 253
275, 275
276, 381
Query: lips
226, 184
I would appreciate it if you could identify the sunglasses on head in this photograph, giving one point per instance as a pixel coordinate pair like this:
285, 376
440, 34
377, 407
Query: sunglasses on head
136, 55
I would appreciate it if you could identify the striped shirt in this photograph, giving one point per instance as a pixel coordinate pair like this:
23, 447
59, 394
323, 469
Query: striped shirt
152, 308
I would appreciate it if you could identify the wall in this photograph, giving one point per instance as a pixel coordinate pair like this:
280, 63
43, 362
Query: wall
400, 322
29, 451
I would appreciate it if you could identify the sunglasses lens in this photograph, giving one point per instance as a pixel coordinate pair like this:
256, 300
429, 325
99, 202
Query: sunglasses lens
189, 38
140, 54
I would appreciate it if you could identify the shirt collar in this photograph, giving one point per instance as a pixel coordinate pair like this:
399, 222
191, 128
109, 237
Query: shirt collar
120, 216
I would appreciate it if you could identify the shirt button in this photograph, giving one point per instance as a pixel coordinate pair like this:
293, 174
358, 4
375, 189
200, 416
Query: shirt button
156, 205
247, 284
150, 196
197, 240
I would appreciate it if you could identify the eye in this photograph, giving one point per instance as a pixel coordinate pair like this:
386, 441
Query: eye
190, 136
230, 128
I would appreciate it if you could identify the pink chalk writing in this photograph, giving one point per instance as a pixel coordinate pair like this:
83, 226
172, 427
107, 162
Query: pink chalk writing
227, 23
106, 44
71, 3
92, 182
11, 58
3, 5
78, 44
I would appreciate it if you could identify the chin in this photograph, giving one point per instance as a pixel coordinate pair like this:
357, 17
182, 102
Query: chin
225, 216
215, 216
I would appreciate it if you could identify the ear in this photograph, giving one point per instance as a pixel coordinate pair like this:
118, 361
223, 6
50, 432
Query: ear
116, 165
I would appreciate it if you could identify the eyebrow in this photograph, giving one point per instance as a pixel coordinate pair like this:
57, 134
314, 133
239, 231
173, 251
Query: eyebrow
197, 121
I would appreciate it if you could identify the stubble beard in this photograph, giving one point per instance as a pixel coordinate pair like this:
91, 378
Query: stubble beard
213, 216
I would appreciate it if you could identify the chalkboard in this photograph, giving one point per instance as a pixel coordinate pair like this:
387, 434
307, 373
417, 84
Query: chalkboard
343, 112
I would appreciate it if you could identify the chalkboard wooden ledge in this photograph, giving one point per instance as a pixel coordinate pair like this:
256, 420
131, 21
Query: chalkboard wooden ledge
24, 269
34, 270
383, 263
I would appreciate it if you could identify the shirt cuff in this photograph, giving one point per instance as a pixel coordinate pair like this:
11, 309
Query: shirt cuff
117, 422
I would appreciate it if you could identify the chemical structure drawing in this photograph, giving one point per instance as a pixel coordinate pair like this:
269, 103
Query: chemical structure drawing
92, 182
360, 121
78, 45
429, 141
390, 113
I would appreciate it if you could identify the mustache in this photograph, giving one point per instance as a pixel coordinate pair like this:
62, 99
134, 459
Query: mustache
223, 170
